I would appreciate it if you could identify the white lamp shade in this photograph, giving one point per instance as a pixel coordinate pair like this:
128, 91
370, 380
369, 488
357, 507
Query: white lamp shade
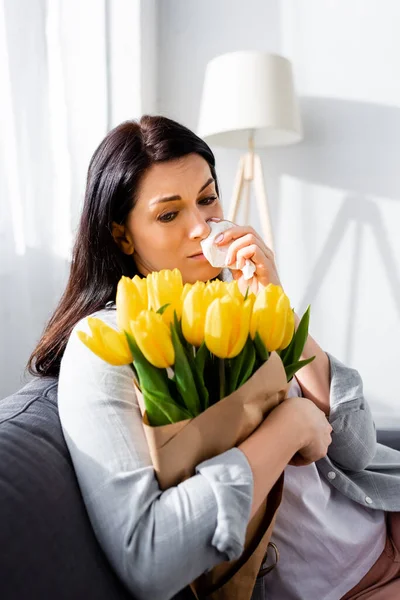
249, 92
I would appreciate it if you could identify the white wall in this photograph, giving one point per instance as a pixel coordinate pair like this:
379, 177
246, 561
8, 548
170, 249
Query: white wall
335, 198
58, 100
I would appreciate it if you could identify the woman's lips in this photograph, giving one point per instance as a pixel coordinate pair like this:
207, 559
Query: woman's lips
199, 256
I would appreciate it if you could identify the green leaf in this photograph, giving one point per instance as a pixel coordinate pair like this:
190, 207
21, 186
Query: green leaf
183, 374
173, 392
197, 371
222, 378
288, 351
151, 378
249, 360
261, 350
161, 408
177, 324
299, 339
241, 367
301, 335
162, 308
201, 356
293, 368
211, 378
235, 365
197, 363
135, 375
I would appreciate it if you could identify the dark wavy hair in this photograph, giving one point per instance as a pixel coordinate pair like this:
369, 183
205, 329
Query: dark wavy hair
114, 174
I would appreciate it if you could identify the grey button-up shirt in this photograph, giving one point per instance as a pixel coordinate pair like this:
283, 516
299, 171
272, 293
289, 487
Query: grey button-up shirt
357, 465
158, 542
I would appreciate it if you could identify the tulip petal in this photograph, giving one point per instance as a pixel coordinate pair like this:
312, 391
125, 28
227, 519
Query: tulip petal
279, 323
165, 287
129, 303
153, 338
193, 314
91, 343
116, 353
287, 338
141, 285
216, 328
264, 318
96, 326
243, 316
234, 291
116, 346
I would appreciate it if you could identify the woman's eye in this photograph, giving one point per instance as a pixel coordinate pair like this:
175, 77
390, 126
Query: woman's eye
170, 216
167, 217
208, 200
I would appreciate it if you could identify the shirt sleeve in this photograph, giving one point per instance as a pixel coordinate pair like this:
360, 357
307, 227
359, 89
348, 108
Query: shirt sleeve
354, 436
158, 542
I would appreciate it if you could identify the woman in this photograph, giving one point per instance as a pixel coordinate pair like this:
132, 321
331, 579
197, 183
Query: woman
151, 192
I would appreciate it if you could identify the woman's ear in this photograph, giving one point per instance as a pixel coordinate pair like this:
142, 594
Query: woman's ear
122, 238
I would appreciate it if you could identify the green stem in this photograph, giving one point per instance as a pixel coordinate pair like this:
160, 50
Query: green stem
221, 378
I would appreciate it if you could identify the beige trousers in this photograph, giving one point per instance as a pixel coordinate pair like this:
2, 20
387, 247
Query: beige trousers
382, 582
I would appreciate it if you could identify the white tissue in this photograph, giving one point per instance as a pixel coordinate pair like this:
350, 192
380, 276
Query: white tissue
216, 255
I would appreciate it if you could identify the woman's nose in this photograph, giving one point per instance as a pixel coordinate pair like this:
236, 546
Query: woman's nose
199, 228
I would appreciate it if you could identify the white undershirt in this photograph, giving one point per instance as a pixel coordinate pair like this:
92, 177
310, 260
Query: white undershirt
327, 542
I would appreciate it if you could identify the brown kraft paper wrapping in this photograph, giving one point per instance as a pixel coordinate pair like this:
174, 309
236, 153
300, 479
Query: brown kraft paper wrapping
177, 449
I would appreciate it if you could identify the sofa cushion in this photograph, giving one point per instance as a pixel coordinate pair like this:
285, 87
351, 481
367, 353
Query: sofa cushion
389, 437
47, 547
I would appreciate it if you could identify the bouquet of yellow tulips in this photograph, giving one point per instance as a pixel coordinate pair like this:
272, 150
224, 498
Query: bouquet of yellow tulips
190, 346
208, 364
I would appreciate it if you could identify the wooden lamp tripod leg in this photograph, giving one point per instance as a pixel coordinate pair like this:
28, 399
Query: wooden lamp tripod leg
250, 170
262, 202
237, 191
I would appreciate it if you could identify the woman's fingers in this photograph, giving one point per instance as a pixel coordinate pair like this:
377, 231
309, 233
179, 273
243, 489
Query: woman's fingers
245, 244
236, 232
246, 284
251, 252
247, 240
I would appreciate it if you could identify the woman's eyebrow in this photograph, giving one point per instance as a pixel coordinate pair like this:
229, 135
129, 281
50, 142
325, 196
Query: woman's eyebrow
207, 183
163, 199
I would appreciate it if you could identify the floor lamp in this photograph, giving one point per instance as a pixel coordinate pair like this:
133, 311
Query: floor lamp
249, 102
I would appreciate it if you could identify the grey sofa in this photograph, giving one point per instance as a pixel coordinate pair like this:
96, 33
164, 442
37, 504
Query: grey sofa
389, 437
47, 547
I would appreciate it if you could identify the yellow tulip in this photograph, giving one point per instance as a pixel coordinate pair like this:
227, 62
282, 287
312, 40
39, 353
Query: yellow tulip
216, 289
141, 284
165, 287
271, 317
153, 337
287, 338
130, 302
106, 342
196, 301
186, 289
227, 326
194, 309
233, 289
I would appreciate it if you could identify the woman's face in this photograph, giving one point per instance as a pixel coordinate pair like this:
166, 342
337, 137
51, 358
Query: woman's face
174, 202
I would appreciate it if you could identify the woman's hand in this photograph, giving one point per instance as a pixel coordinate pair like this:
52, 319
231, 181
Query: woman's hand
247, 244
310, 424
314, 378
295, 432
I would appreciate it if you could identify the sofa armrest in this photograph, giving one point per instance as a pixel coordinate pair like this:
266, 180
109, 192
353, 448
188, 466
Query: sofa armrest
389, 437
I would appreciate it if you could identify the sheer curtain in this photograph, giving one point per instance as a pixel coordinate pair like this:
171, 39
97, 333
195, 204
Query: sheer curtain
69, 71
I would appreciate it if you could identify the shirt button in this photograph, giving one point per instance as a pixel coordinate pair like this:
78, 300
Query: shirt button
368, 500
331, 475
